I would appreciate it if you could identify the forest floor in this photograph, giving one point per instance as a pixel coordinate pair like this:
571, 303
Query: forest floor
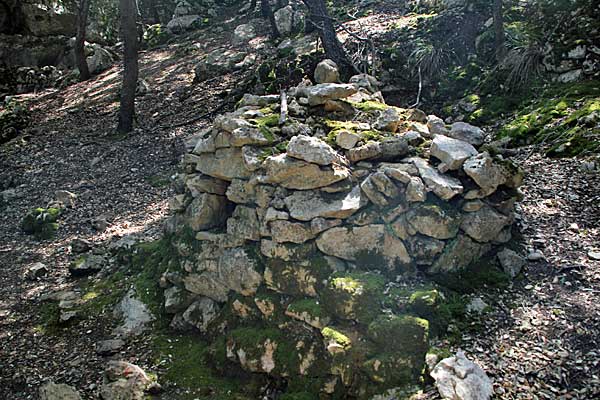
540, 338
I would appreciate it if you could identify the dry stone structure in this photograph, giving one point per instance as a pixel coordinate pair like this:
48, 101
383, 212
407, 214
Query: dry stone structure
311, 233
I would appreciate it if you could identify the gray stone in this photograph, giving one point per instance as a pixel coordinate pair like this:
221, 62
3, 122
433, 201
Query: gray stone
489, 174
307, 205
199, 184
135, 314
288, 20
206, 211
415, 190
467, 133
312, 149
79, 245
445, 187
348, 243
55, 391
88, 264
292, 173
346, 139
243, 34
511, 262
66, 198
226, 164
287, 251
36, 270
252, 157
388, 120
424, 249
126, 381
485, 224
248, 135
110, 346
370, 190
243, 224
458, 254
183, 23
319, 94
287, 231
319, 224
367, 151
241, 191
395, 147
176, 299
201, 313
476, 305
434, 221
365, 81
451, 152
457, 378
327, 72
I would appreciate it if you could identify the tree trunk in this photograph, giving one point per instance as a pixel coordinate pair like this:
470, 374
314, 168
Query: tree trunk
128, 11
499, 36
319, 16
82, 15
267, 13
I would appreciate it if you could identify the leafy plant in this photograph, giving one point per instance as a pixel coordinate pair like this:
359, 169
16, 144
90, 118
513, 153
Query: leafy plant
431, 60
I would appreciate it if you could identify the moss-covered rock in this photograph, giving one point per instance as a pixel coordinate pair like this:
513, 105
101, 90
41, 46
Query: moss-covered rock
354, 296
405, 335
296, 278
310, 311
41, 222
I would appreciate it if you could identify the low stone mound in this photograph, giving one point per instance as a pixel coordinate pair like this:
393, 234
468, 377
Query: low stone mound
311, 230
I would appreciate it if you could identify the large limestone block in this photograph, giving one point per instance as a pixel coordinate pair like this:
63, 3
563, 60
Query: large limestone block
489, 173
485, 224
458, 254
312, 149
451, 152
434, 221
301, 175
445, 187
319, 94
206, 211
350, 243
307, 205
327, 72
226, 164
460, 378
467, 132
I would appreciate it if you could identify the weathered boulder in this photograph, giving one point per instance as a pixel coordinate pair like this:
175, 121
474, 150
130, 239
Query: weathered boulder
346, 139
485, 224
288, 20
434, 221
207, 211
243, 34
292, 173
467, 133
451, 152
489, 173
459, 378
225, 164
388, 120
312, 149
511, 262
445, 187
319, 94
184, 23
55, 391
135, 315
201, 313
352, 243
308, 205
458, 254
327, 72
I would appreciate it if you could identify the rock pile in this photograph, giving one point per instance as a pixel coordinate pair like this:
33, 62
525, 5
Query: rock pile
309, 240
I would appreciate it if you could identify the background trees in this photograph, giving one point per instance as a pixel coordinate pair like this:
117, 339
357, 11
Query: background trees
128, 12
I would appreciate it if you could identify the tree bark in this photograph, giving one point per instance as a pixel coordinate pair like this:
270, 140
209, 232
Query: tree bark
128, 11
499, 37
267, 13
319, 16
82, 16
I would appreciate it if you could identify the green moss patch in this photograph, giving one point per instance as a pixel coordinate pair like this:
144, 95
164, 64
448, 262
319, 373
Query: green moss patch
354, 296
41, 222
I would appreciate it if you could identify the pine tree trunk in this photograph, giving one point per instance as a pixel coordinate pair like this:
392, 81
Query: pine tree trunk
499, 36
128, 11
333, 48
80, 62
267, 13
